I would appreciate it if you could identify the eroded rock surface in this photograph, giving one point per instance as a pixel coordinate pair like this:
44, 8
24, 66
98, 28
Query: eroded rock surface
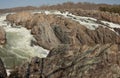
100, 61
112, 17
20, 18
75, 51
52, 30
2, 36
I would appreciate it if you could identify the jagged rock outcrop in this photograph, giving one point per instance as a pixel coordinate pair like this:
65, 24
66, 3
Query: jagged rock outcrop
3, 73
100, 61
112, 17
2, 36
80, 52
117, 30
52, 30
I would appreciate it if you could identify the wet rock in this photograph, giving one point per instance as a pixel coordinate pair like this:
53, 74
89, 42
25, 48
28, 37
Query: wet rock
3, 73
117, 30
2, 36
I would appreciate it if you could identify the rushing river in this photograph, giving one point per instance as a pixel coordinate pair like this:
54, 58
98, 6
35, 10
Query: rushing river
18, 47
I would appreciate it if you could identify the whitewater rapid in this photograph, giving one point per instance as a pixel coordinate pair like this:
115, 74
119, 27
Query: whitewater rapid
18, 47
88, 22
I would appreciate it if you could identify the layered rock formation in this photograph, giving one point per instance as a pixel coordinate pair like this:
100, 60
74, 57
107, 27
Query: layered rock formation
100, 61
75, 51
88, 9
3, 73
52, 30
112, 17
2, 36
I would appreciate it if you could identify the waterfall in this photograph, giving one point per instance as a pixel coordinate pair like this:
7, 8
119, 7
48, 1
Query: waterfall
18, 47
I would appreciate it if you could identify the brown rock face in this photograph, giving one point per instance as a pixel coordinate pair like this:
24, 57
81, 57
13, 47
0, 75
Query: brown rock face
20, 18
80, 52
52, 30
112, 17
100, 61
2, 36
3, 73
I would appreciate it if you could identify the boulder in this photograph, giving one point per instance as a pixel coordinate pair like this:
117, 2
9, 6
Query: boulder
19, 18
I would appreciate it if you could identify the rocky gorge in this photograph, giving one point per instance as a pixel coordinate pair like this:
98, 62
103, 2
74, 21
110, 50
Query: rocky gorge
50, 30
80, 47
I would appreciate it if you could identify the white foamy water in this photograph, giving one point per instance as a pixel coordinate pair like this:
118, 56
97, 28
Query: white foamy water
8, 71
18, 46
88, 22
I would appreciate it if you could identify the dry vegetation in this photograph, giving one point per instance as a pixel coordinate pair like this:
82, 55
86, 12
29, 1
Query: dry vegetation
17, 9
71, 5
112, 9
67, 5
84, 6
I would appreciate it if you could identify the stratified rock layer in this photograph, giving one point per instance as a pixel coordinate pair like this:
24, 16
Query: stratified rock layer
112, 17
75, 51
52, 30
100, 61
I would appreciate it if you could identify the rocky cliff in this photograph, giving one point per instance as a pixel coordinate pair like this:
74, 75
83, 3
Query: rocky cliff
76, 51
100, 61
51, 30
